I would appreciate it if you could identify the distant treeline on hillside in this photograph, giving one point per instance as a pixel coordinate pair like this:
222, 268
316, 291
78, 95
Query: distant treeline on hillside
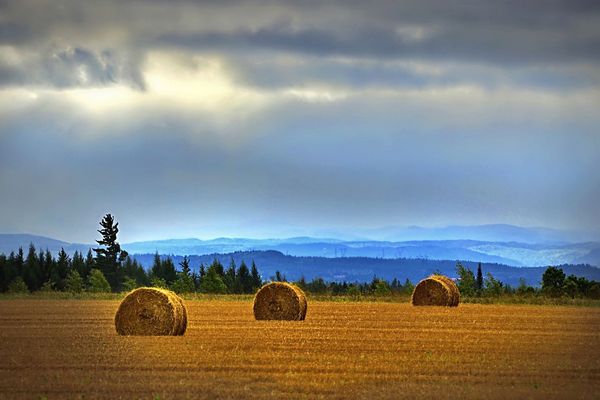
362, 269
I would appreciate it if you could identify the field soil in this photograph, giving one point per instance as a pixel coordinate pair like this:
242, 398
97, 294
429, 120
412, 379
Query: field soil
69, 349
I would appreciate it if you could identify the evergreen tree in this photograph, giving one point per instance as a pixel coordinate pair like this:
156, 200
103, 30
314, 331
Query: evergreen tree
48, 268
3, 282
60, 270
202, 271
479, 281
279, 277
408, 286
109, 257
169, 271
97, 283
256, 278
156, 271
301, 283
89, 263
244, 279
218, 268
229, 278
32, 273
78, 264
185, 266
184, 282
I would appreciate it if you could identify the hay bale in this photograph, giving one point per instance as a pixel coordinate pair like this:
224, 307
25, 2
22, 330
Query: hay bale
151, 312
453, 288
433, 291
280, 301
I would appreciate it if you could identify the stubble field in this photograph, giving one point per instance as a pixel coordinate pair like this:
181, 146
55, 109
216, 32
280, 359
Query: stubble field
69, 349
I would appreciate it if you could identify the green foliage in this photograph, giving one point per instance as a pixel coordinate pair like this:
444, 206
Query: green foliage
129, 284
97, 283
553, 281
466, 282
492, 286
18, 286
212, 281
158, 282
48, 286
256, 278
109, 257
479, 281
244, 279
382, 288
185, 281
354, 292
74, 282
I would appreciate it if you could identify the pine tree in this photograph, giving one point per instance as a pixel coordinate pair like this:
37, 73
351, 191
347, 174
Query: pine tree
229, 278
256, 278
32, 273
89, 263
78, 264
156, 271
60, 270
185, 281
479, 281
243, 279
109, 258
169, 271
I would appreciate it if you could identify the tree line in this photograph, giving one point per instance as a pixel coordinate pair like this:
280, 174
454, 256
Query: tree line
112, 269
555, 283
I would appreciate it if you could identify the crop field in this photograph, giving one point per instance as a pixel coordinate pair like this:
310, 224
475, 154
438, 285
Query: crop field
69, 349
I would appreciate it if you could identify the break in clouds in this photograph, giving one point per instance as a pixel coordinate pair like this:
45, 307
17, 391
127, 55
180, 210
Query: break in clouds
268, 118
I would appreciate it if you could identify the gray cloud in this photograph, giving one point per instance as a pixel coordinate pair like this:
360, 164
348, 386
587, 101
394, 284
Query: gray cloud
441, 112
70, 67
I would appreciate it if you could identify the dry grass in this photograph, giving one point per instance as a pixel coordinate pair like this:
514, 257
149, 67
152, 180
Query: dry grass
436, 290
280, 301
69, 349
151, 312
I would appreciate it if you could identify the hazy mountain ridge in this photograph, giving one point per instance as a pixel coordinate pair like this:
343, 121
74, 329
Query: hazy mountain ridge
511, 252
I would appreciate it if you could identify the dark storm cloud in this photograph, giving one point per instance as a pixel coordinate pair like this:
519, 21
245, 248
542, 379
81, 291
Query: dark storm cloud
511, 35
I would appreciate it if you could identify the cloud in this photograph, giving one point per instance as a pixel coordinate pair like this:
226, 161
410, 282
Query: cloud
68, 67
222, 117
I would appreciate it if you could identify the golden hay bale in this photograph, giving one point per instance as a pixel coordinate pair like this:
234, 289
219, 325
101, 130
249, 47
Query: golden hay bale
151, 311
453, 288
281, 301
433, 292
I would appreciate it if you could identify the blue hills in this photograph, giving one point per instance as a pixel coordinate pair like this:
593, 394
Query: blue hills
511, 249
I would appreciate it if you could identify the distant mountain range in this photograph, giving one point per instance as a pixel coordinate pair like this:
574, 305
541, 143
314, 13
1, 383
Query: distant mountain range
552, 249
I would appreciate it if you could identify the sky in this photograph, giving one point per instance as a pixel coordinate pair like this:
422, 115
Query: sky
283, 118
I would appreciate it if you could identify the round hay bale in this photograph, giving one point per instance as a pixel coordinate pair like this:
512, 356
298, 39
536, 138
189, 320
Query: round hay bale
150, 311
453, 288
432, 292
280, 301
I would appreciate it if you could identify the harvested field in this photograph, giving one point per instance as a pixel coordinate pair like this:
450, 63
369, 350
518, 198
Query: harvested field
69, 348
